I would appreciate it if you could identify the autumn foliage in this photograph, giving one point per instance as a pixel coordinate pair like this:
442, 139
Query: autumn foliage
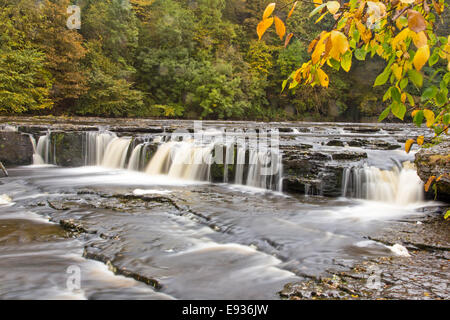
401, 32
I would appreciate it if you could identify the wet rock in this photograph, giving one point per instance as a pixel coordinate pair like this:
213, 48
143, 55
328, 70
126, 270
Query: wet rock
15, 148
435, 161
316, 172
335, 143
67, 149
362, 129
423, 275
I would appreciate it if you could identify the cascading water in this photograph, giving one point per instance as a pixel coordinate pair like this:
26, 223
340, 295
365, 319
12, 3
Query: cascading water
42, 150
116, 153
37, 158
95, 146
398, 186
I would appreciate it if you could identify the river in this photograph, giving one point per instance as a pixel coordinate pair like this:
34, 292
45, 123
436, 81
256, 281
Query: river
136, 220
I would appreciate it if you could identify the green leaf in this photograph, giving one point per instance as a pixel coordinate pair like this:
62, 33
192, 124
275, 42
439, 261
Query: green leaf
335, 64
434, 58
396, 95
429, 93
360, 54
446, 119
415, 77
317, 9
284, 85
346, 61
382, 78
387, 95
398, 110
403, 83
441, 98
418, 118
384, 114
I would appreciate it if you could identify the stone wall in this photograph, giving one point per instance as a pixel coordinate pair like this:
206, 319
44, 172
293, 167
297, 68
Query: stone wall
15, 148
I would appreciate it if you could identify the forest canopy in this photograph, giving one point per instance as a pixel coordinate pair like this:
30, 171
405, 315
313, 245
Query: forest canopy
170, 58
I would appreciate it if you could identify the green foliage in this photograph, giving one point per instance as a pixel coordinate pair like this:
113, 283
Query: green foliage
167, 58
24, 82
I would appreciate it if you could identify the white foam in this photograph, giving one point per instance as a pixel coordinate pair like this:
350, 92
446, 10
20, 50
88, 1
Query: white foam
5, 199
141, 192
399, 250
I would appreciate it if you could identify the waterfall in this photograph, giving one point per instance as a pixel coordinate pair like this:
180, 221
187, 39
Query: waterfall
183, 160
42, 150
116, 153
134, 163
37, 158
187, 160
239, 175
95, 146
400, 186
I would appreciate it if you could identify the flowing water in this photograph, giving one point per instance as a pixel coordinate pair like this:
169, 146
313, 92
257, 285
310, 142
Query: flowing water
167, 217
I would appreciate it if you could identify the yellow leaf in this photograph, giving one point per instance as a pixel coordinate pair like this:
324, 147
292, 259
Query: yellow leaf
312, 45
340, 44
408, 145
263, 26
420, 140
419, 39
416, 22
403, 97
401, 36
292, 10
421, 57
407, 1
321, 17
397, 70
298, 75
413, 114
333, 6
320, 48
429, 115
269, 10
317, 3
429, 182
288, 39
317, 53
323, 78
439, 178
280, 27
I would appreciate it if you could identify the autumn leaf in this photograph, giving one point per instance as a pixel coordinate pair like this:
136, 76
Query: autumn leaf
408, 145
407, 1
429, 182
401, 36
323, 78
280, 27
269, 10
421, 57
263, 26
420, 39
429, 115
292, 10
288, 39
340, 44
312, 45
333, 6
420, 140
416, 21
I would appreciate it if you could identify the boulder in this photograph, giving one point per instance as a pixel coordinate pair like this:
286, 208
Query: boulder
435, 161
